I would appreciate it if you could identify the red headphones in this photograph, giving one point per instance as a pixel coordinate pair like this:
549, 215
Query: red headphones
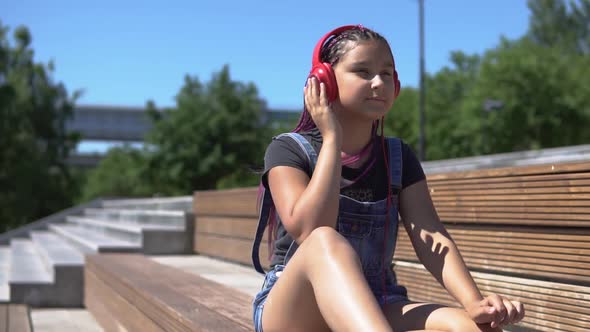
323, 71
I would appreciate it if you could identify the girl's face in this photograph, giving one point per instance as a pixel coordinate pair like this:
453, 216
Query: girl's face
365, 80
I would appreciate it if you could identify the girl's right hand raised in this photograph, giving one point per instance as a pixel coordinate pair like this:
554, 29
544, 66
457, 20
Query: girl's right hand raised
320, 109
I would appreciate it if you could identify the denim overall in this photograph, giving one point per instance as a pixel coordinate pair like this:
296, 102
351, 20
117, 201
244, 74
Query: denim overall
363, 224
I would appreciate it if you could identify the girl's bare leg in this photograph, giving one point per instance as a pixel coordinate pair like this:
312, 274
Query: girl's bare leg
323, 288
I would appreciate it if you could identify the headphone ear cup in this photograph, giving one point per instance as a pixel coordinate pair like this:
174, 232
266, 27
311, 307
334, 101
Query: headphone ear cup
324, 73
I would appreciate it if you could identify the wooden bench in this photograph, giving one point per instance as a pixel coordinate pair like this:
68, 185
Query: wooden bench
524, 232
225, 224
134, 293
15, 318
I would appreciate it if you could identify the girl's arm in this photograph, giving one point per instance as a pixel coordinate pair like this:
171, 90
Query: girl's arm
303, 203
433, 244
437, 251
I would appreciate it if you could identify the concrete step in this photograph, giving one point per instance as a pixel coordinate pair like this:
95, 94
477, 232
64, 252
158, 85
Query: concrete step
55, 251
183, 203
4, 274
26, 264
30, 281
116, 230
66, 265
89, 241
64, 320
156, 217
154, 239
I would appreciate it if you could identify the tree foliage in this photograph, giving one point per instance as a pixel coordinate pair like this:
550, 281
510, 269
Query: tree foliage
120, 174
523, 94
34, 144
212, 137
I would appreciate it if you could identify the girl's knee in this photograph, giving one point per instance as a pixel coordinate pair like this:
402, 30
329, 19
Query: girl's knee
326, 240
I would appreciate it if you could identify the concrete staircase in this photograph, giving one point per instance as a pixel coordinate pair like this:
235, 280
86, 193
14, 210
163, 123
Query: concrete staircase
44, 266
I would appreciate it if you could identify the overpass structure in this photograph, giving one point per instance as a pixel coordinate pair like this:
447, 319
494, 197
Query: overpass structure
110, 123
128, 125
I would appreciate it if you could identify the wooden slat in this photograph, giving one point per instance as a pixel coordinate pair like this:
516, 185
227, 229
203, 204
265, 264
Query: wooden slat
572, 191
485, 250
176, 300
577, 245
19, 318
510, 184
514, 171
232, 202
513, 209
518, 222
524, 178
3, 317
236, 250
233, 227
502, 197
508, 204
566, 235
512, 215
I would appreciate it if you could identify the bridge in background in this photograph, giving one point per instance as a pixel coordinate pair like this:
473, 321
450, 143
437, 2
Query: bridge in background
127, 125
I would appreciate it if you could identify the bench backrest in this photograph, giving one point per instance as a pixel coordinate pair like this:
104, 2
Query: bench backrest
531, 221
225, 224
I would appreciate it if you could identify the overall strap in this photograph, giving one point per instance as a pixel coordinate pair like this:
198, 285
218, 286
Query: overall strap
267, 202
310, 153
395, 164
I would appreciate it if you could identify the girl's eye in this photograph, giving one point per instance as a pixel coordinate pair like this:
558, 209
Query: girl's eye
362, 72
386, 73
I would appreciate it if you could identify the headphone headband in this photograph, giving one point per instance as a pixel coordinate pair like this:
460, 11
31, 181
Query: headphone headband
318, 47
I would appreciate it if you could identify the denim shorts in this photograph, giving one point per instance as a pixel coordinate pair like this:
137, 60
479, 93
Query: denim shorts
258, 304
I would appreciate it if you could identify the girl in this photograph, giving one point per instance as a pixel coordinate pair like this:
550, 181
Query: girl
337, 187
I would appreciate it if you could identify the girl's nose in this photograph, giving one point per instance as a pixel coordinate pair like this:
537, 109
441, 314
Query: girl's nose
376, 82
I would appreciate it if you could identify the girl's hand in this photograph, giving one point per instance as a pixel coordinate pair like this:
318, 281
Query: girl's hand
496, 311
316, 103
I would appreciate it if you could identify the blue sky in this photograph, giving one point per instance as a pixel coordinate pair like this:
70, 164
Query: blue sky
127, 52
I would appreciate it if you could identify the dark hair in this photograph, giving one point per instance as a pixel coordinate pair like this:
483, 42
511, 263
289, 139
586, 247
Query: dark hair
331, 52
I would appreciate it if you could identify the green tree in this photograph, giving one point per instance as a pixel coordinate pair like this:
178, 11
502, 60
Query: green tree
120, 174
555, 23
449, 128
528, 93
34, 144
210, 139
544, 94
402, 119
